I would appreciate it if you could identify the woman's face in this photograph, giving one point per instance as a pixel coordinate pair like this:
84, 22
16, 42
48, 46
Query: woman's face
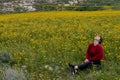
96, 40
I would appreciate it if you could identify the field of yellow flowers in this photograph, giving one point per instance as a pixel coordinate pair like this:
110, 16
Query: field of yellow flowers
45, 42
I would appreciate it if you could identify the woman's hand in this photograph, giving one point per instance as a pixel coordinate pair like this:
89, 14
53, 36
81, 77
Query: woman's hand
86, 60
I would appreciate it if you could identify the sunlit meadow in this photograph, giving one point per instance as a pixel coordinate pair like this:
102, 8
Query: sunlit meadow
45, 42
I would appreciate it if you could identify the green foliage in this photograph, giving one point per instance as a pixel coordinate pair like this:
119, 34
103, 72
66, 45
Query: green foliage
45, 7
49, 7
82, 8
19, 9
1, 6
107, 7
116, 8
67, 8
99, 2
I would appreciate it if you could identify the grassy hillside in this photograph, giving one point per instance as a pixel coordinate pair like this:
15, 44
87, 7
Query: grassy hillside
46, 41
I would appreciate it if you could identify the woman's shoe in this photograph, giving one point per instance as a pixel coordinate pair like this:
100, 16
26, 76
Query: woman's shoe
71, 67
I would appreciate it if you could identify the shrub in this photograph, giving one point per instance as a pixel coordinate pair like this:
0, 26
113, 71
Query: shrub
107, 7
49, 7
83, 8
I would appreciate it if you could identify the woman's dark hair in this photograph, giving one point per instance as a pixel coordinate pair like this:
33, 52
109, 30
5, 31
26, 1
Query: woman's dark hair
100, 39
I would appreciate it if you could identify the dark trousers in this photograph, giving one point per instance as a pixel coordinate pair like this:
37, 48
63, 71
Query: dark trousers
88, 64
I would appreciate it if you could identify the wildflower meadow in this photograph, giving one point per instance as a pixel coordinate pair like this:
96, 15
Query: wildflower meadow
45, 42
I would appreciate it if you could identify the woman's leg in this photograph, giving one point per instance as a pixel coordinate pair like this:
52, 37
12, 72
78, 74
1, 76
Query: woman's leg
97, 64
74, 69
84, 65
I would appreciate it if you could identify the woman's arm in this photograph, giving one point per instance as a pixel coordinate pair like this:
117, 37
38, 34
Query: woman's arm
87, 54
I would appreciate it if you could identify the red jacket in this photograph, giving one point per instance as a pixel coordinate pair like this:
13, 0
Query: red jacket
95, 53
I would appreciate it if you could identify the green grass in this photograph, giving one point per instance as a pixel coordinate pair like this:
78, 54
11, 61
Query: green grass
47, 41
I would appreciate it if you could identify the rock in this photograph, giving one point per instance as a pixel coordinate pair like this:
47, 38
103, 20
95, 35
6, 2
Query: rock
46, 66
57, 68
50, 68
23, 67
5, 57
7, 72
13, 74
